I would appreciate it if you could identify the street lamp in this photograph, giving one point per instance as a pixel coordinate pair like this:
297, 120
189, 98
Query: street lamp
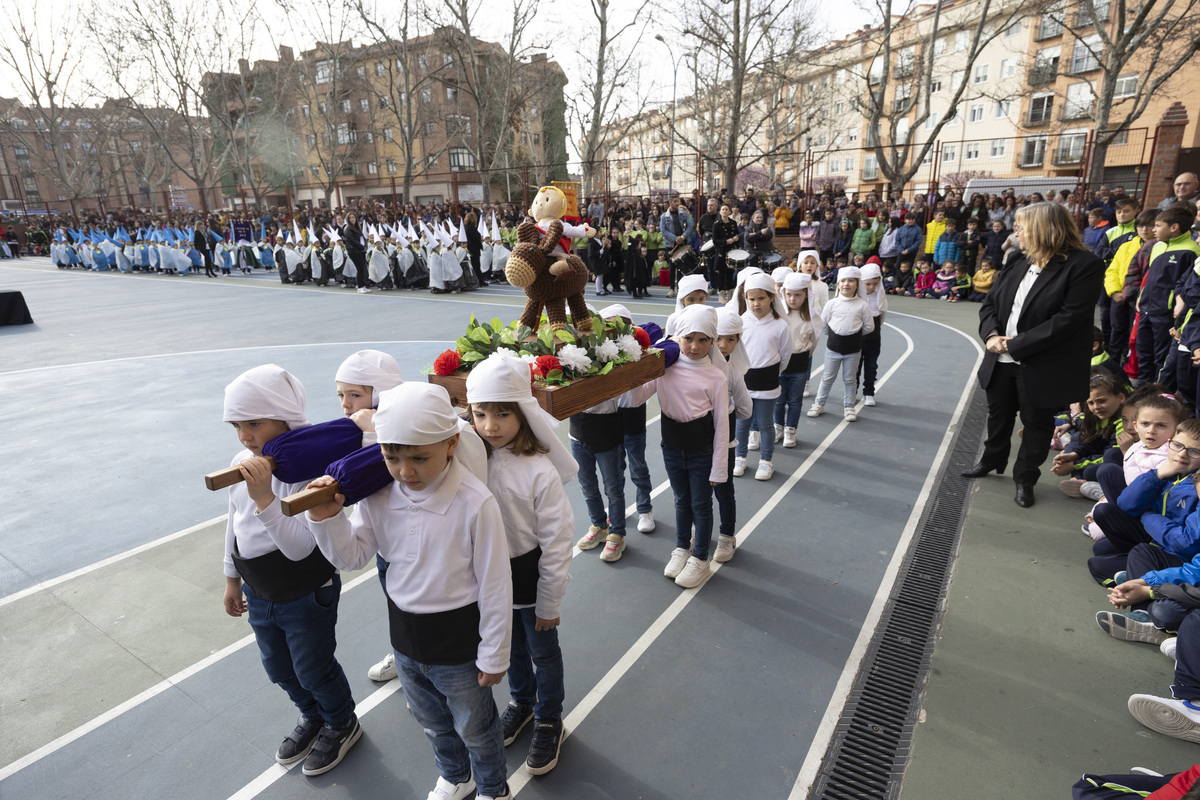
674, 83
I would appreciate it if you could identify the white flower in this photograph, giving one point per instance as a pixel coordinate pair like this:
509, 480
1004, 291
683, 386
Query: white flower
608, 350
630, 347
574, 357
529, 358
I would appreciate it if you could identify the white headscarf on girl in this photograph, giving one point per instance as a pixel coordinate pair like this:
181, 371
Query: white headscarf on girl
372, 368
779, 273
615, 310
699, 319
805, 254
742, 275
266, 392
767, 284
687, 285
729, 323
504, 378
877, 299
802, 281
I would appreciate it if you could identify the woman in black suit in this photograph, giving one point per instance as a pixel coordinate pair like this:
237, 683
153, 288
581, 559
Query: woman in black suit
1037, 323
352, 235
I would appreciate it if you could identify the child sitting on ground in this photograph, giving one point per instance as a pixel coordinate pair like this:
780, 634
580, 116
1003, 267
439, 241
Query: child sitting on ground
900, 282
1096, 433
943, 281
982, 281
962, 284
923, 282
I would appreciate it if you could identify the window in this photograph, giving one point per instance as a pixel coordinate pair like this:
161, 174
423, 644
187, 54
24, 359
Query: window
1121, 138
1085, 56
1070, 147
1014, 29
902, 127
1087, 8
952, 117
928, 157
822, 140
1008, 67
423, 61
1080, 99
870, 168
321, 107
29, 183
839, 108
1034, 151
1040, 108
378, 69
533, 112
939, 46
447, 59
839, 77
372, 168
391, 165
961, 40
387, 135
1052, 23
875, 74
971, 151
904, 62
461, 159
999, 148
457, 127
403, 99
305, 111
1004, 108
361, 71
315, 170
368, 137
430, 129
949, 153
451, 93
981, 73
383, 103
312, 140
1126, 86
426, 95
956, 79
324, 71
935, 85
364, 105
834, 165
537, 139
852, 135
931, 121
345, 106
431, 162
849, 165
976, 113
346, 134
903, 97
820, 170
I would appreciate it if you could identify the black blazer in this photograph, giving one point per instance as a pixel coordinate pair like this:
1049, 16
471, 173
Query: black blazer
1054, 332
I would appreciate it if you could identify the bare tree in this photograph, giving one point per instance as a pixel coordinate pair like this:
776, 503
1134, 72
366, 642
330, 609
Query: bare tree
1136, 46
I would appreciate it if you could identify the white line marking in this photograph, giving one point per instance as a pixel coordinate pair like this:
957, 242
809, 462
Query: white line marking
521, 777
47, 584
153, 691
837, 702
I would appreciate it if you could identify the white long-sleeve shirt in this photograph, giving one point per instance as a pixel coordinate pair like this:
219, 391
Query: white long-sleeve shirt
689, 390
767, 341
536, 513
804, 334
846, 316
445, 546
258, 534
877, 300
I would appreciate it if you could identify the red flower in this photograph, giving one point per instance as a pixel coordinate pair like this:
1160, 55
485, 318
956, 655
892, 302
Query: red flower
642, 337
447, 363
545, 364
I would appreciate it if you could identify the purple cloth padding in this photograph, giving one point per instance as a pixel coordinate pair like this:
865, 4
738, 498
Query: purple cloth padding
305, 453
360, 474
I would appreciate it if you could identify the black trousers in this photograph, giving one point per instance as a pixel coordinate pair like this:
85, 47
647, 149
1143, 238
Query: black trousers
359, 257
1007, 397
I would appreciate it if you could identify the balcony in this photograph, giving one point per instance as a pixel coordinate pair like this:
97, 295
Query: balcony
1038, 117
1042, 74
1084, 63
1068, 156
1072, 111
1048, 29
904, 69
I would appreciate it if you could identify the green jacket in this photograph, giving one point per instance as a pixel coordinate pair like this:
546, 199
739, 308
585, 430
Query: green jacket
654, 241
863, 242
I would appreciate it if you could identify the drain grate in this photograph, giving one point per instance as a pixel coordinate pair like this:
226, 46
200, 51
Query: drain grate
872, 742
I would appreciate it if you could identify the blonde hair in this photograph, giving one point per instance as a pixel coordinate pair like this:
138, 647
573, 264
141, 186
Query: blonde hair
1047, 230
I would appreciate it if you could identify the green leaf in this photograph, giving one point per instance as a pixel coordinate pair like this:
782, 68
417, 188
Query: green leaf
607, 368
564, 336
464, 344
506, 337
480, 335
554, 375
472, 357
472, 324
523, 333
497, 325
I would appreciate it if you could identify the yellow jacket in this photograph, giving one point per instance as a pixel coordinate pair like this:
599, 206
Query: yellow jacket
1114, 276
933, 232
983, 280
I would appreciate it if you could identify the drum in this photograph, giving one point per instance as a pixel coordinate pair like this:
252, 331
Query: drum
707, 247
737, 258
770, 260
680, 251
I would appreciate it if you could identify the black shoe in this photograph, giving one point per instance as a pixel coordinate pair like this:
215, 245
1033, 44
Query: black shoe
298, 742
514, 719
543, 751
979, 470
331, 747
1024, 496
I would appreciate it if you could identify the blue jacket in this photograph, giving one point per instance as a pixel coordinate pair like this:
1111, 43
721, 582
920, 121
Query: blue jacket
1188, 573
947, 248
666, 226
1167, 511
1171, 264
911, 239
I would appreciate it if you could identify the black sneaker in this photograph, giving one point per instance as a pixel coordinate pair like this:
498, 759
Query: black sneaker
543, 751
514, 719
331, 747
298, 742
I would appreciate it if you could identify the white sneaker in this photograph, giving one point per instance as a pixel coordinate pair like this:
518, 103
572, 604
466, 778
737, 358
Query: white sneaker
1092, 491
753, 440
646, 522
1167, 648
789, 437
849, 414
679, 557
1177, 718
445, 790
726, 546
764, 472
693, 574
364, 290
869, 400
506, 796
778, 434
816, 410
385, 670
807, 391
739, 467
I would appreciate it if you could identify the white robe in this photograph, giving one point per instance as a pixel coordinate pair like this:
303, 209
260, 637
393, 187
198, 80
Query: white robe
315, 264
377, 264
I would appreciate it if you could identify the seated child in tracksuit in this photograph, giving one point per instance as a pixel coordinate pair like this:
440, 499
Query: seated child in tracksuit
943, 282
291, 590
449, 583
1096, 434
923, 282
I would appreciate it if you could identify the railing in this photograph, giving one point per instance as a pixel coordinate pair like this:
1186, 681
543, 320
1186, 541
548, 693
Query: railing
1072, 111
1048, 28
1044, 73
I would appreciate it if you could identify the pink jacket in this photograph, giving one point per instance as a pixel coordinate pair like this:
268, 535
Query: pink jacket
1139, 460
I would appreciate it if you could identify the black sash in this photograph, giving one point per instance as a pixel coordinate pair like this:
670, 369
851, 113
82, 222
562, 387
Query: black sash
275, 577
762, 379
797, 363
633, 420
525, 577
875, 334
598, 432
845, 345
443, 637
694, 436
732, 425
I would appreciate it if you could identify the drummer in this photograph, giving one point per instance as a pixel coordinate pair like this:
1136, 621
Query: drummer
760, 238
724, 238
677, 226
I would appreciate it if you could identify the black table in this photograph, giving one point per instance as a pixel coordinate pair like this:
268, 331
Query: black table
13, 310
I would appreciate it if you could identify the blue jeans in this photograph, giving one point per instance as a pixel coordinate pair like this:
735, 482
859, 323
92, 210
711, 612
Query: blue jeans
460, 718
726, 504
848, 363
791, 396
688, 473
612, 472
535, 672
639, 473
296, 642
762, 413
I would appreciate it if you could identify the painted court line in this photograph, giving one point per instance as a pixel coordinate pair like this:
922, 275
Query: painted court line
837, 702
153, 691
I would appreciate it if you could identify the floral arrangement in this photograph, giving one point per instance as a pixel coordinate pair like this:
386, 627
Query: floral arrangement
554, 358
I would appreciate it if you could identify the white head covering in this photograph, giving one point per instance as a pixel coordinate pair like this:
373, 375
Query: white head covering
415, 414
742, 275
266, 392
870, 271
699, 319
504, 378
780, 273
372, 368
687, 285
876, 299
761, 281
729, 323
615, 310
845, 273
805, 254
